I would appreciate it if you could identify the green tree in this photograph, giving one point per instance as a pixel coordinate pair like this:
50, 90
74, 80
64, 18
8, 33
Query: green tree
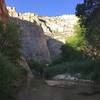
89, 14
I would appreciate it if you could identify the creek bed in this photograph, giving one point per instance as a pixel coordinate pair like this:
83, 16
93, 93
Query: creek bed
39, 90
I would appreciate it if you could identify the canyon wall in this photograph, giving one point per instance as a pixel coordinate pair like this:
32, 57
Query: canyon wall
3, 13
43, 36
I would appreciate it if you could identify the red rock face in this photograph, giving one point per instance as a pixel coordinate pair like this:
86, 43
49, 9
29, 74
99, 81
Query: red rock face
3, 12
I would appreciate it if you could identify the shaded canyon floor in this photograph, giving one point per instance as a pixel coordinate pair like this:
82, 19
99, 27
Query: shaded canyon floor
38, 90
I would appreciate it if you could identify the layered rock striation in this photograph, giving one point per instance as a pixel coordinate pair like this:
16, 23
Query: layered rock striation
42, 37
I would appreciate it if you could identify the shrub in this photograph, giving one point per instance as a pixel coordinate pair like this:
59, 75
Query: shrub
56, 61
9, 41
37, 67
76, 45
69, 53
8, 73
89, 69
78, 40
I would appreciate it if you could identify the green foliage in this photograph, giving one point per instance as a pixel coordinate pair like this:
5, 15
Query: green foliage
9, 41
95, 73
55, 69
89, 69
80, 10
9, 52
76, 54
57, 61
93, 29
8, 73
83, 45
78, 39
75, 46
37, 67
90, 18
69, 53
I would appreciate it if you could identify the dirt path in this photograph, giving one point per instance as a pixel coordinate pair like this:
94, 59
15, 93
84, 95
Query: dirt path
38, 90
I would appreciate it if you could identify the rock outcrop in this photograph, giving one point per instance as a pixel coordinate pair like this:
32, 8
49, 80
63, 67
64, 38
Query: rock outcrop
3, 13
42, 37
33, 42
59, 27
25, 65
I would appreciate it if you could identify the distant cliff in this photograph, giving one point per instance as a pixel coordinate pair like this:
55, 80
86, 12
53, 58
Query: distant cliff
42, 37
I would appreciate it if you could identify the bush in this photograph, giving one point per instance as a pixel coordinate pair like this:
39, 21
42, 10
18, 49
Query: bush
78, 40
8, 73
76, 45
37, 67
95, 74
89, 69
69, 53
77, 57
9, 41
53, 70
58, 60
10, 70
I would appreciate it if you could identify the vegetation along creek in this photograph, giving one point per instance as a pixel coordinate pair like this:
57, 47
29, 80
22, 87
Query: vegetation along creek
52, 55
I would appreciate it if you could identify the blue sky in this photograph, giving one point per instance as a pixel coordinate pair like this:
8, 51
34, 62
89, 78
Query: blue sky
45, 7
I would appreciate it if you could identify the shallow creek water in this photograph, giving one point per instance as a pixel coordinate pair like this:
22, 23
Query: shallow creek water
38, 90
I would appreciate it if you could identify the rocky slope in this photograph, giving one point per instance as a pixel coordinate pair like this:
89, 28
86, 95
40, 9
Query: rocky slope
42, 37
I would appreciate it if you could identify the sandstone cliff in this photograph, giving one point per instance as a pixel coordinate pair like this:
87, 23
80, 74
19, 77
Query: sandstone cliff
42, 37
3, 12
